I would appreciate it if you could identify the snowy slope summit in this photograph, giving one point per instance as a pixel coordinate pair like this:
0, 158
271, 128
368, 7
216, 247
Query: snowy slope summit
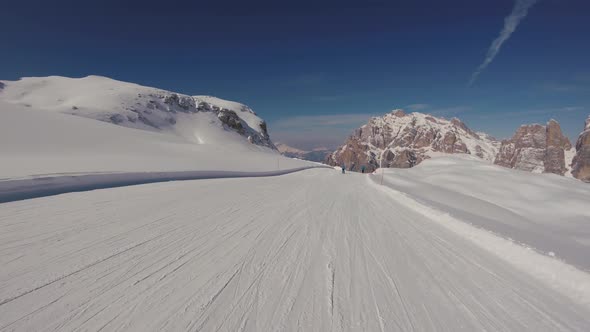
197, 119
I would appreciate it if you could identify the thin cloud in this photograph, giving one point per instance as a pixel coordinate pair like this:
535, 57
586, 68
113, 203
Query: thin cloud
579, 82
566, 87
511, 22
309, 140
417, 107
448, 111
315, 121
545, 111
311, 131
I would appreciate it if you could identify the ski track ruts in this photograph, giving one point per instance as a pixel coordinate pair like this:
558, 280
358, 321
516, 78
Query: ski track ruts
431, 235
249, 257
391, 282
314, 250
257, 278
8, 300
447, 249
102, 260
90, 246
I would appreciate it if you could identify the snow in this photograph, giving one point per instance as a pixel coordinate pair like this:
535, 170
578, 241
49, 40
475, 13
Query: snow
424, 124
35, 142
569, 157
125, 104
561, 277
544, 211
40, 186
452, 244
313, 250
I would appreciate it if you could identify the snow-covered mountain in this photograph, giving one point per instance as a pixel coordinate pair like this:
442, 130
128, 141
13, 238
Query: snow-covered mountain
400, 140
286, 149
197, 119
404, 140
55, 125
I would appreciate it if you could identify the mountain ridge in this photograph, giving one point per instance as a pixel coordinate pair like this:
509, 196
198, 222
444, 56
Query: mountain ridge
135, 106
316, 154
402, 140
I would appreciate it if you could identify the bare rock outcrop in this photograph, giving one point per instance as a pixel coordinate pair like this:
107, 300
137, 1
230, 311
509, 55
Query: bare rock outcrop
403, 140
581, 161
535, 148
557, 144
231, 119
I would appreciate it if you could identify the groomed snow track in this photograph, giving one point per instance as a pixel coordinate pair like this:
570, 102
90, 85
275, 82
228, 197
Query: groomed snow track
308, 251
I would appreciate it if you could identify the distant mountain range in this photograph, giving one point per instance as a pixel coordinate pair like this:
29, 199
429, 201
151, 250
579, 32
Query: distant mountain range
396, 139
403, 140
317, 154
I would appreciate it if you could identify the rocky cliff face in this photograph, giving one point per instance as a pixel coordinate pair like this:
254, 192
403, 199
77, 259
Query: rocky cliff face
131, 105
403, 140
581, 162
149, 109
535, 148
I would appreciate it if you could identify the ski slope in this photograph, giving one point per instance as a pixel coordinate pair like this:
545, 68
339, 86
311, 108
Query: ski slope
309, 251
546, 212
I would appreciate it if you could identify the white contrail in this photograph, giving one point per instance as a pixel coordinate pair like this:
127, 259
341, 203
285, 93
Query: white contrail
519, 12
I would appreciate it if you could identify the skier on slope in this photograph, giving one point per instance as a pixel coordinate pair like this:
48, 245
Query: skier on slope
343, 168
363, 169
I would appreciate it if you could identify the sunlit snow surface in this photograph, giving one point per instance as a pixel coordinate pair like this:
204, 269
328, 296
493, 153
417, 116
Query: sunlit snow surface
38, 142
313, 250
545, 211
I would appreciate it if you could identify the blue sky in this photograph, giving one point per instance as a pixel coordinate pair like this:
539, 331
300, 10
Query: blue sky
317, 69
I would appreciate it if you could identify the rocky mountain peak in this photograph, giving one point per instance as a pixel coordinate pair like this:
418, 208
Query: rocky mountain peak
581, 161
458, 123
399, 113
403, 140
535, 148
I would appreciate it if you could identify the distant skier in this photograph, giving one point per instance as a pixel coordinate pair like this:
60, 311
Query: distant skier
343, 168
363, 169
